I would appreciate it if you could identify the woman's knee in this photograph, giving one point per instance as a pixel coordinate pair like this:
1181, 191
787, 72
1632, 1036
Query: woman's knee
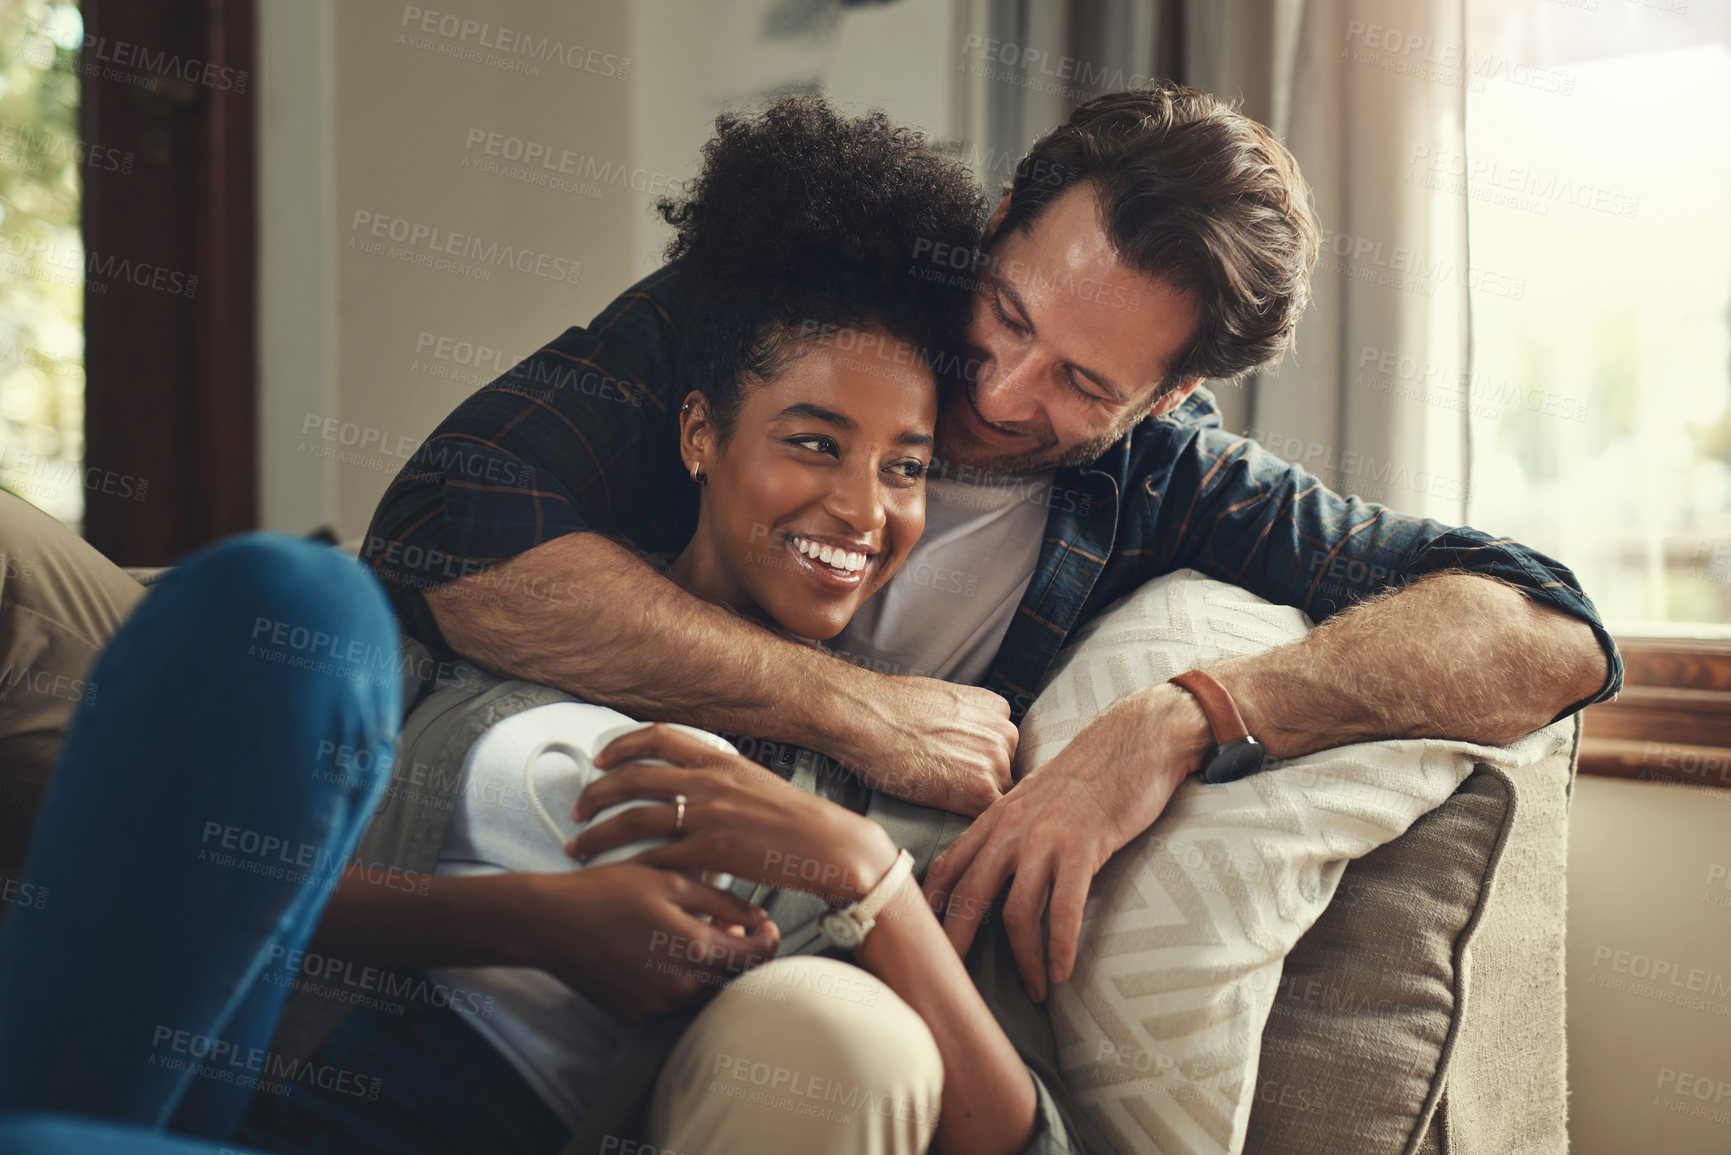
291, 649
288, 603
823, 1015
802, 1053
291, 581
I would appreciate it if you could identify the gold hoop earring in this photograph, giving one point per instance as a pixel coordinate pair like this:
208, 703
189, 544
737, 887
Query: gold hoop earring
696, 473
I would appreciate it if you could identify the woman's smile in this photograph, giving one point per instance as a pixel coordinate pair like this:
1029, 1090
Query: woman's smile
831, 564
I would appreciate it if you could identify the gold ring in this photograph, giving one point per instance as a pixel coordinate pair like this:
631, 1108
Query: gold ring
678, 813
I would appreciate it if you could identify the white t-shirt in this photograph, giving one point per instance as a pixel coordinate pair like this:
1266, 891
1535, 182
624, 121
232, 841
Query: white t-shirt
946, 611
504, 819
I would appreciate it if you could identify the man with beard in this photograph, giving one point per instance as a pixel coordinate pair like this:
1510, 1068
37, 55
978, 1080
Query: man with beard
1157, 239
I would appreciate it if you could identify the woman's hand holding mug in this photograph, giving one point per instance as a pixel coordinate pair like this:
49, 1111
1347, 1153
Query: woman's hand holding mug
737, 817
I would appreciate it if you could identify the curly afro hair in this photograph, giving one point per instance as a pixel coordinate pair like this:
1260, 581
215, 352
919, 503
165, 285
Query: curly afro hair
804, 222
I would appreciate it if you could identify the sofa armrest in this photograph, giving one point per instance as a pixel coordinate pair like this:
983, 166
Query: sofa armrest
1424, 1010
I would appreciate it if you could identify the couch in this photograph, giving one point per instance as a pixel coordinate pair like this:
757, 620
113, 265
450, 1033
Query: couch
1421, 1015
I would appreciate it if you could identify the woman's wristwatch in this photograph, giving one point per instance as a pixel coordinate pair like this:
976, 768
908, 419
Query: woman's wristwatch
1236, 753
846, 929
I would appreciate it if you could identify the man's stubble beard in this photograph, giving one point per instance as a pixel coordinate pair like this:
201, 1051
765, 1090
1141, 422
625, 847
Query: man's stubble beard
957, 447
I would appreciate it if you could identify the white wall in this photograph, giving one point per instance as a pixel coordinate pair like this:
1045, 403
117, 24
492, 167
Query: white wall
367, 116
297, 256
365, 348
1649, 969
696, 60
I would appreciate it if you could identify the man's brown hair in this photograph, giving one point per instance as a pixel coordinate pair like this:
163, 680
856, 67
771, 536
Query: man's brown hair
1194, 194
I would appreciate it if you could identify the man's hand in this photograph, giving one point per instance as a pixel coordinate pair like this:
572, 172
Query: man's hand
934, 743
1455, 655
1057, 827
631, 938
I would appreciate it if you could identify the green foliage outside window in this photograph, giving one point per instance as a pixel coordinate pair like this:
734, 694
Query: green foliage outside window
41, 257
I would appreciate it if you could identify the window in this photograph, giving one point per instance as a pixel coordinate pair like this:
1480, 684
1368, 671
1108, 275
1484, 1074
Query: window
1599, 180
41, 258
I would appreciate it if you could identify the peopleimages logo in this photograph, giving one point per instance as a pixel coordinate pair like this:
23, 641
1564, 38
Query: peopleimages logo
426, 244
40, 475
1368, 259
1521, 181
465, 38
124, 55
1362, 469
1031, 65
551, 160
17, 892
25, 147
213, 1057
45, 683
67, 259
1428, 58
342, 981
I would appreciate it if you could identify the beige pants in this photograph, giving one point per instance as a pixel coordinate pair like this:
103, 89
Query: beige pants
60, 602
802, 1054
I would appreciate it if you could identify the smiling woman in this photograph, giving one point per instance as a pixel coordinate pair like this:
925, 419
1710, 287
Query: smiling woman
806, 407
811, 405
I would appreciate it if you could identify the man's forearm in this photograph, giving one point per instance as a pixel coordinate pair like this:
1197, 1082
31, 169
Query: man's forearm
639, 643
1453, 656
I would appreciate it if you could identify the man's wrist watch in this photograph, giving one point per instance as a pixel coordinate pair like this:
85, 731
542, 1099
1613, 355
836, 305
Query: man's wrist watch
846, 929
1236, 753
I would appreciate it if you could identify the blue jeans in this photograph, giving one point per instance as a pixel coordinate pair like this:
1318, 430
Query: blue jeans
188, 837
434, 1086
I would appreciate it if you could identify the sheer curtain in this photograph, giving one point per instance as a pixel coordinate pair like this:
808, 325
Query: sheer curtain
1369, 95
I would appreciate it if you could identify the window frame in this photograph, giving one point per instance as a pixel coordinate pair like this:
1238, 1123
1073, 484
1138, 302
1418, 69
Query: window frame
1672, 721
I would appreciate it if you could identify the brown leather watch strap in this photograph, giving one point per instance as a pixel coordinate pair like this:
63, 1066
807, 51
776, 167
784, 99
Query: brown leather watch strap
1217, 704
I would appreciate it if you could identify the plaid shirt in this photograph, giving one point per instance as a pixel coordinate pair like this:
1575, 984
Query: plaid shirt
582, 435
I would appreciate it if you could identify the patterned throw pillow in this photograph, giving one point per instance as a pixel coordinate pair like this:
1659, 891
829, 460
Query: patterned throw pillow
1186, 928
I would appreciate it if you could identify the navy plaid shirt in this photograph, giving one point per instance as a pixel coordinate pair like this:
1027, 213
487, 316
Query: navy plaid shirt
583, 436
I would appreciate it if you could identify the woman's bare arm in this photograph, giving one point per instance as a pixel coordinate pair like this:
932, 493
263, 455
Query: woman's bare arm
609, 932
989, 1099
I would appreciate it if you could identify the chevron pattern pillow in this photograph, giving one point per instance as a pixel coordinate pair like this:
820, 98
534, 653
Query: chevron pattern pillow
1159, 1030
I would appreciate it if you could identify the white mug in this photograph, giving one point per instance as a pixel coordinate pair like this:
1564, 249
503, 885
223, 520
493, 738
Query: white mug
587, 773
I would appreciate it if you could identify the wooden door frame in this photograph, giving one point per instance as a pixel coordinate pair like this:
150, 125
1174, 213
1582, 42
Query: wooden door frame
170, 303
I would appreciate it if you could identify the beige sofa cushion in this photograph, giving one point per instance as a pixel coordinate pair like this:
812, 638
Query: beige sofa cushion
1360, 1029
1186, 929
1424, 1010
